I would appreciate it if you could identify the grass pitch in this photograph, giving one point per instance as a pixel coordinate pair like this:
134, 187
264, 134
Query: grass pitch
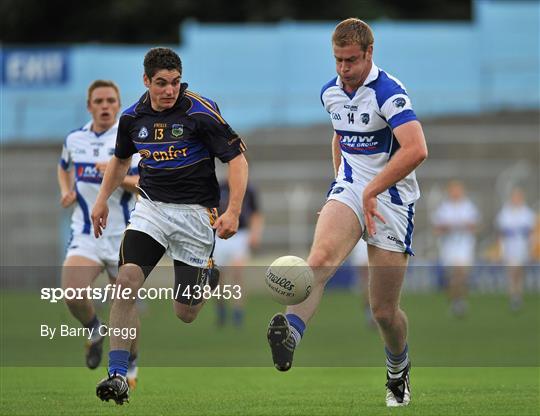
264, 391
485, 364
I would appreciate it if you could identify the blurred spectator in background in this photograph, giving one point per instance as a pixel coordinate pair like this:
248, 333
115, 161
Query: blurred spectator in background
455, 221
84, 159
359, 259
233, 254
515, 223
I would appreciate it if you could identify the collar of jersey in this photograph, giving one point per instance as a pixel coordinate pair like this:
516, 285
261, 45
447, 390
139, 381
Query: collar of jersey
87, 127
372, 76
145, 107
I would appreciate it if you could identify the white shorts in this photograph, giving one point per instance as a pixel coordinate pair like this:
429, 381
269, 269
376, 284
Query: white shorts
514, 253
103, 250
233, 249
457, 256
396, 234
185, 230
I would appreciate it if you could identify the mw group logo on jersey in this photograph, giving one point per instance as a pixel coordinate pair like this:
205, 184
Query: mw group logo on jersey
87, 172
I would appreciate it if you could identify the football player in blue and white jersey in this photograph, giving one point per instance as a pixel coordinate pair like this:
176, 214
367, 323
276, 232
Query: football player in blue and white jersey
456, 222
515, 223
84, 159
377, 144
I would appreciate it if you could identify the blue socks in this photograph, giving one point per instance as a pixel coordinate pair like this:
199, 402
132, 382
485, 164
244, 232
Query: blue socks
118, 362
395, 364
297, 327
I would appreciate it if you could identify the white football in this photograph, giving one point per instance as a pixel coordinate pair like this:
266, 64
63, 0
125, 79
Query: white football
289, 280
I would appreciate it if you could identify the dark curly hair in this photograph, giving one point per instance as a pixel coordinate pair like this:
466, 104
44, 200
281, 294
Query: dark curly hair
157, 59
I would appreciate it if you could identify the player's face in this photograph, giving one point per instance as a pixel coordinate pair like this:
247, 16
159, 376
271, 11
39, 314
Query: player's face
456, 191
352, 65
517, 198
104, 105
163, 88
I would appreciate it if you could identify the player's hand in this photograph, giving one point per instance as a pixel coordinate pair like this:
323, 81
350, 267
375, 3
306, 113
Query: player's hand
68, 198
100, 212
226, 225
101, 167
370, 211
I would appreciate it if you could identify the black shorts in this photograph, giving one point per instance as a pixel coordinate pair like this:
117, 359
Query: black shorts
141, 249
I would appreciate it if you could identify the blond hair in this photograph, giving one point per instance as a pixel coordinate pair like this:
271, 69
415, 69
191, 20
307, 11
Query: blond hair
99, 83
353, 31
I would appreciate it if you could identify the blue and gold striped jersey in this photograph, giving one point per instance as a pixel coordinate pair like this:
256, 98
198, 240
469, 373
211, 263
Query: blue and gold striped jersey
178, 147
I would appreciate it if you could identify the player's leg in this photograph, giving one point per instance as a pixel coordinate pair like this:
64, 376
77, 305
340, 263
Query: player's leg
112, 271
457, 289
237, 278
387, 271
515, 275
190, 282
139, 253
80, 272
222, 254
338, 230
191, 246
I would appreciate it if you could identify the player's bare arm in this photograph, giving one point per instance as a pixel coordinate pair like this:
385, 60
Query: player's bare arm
129, 183
336, 153
65, 180
412, 153
227, 224
114, 176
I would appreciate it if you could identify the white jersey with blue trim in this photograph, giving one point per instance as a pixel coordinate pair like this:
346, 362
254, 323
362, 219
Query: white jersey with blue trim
515, 224
364, 122
82, 149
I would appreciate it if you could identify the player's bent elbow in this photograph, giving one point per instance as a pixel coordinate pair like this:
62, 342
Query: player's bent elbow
421, 154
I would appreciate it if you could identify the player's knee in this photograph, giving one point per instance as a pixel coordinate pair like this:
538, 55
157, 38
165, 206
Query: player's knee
384, 316
74, 302
321, 262
130, 276
186, 314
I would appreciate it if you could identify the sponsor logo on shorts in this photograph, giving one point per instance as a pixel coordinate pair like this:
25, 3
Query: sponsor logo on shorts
196, 260
395, 240
338, 190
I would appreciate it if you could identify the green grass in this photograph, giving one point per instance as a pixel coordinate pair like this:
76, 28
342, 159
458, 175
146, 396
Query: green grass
264, 391
489, 336
485, 364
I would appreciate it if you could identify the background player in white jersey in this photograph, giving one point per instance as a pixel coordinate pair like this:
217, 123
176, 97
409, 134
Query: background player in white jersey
84, 158
456, 221
233, 254
515, 223
376, 146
